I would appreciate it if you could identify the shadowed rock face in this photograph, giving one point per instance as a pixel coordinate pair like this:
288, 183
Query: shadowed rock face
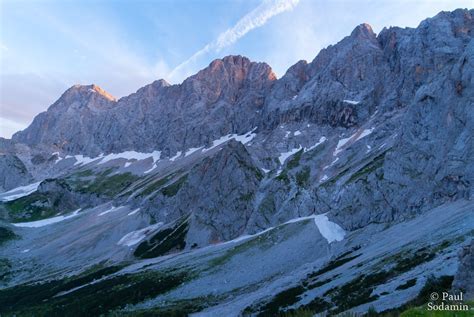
464, 279
234, 94
214, 102
13, 172
414, 87
376, 132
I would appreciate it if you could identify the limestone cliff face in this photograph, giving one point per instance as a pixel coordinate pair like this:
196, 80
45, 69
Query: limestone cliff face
214, 102
410, 89
376, 133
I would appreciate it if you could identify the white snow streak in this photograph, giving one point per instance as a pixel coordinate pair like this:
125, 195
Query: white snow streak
133, 212
192, 150
365, 133
340, 144
131, 155
109, 211
329, 230
135, 237
321, 140
352, 102
127, 155
178, 154
19, 192
285, 155
45, 222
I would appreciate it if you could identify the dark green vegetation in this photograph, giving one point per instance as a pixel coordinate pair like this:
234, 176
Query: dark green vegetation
279, 304
6, 234
60, 195
283, 177
33, 207
165, 241
302, 177
295, 160
283, 299
5, 269
252, 168
110, 293
368, 168
172, 190
407, 284
410, 309
181, 308
101, 184
356, 292
423, 311
371, 166
153, 186
337, 262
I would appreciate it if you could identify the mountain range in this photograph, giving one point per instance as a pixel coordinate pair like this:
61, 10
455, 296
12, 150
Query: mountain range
345, 185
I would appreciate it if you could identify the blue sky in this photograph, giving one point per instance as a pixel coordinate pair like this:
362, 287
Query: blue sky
47, 46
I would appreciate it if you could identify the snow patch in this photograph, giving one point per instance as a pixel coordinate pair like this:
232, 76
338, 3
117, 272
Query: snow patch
243, 138
287, 134
45, 222
247, 137
265, 170
324, 178
178, 154
329, 230
321, 140
127, 155
83, 160
59, 157
296, 133
133, 212
365, 133
131, 155
135, 237
109, 211
352, 102
285, 155
19, 192
340, 144
192, 150
25, 251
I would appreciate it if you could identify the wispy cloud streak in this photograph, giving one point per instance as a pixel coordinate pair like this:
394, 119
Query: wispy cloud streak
252, 20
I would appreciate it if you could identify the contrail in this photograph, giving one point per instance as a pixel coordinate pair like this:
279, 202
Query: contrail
252, 20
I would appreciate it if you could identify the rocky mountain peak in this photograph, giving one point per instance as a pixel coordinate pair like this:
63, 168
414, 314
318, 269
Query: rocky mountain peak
84, 96
235, 69
363, 31
88, 90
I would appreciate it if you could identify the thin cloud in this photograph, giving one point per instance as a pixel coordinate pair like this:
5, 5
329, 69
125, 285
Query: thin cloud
252, 20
